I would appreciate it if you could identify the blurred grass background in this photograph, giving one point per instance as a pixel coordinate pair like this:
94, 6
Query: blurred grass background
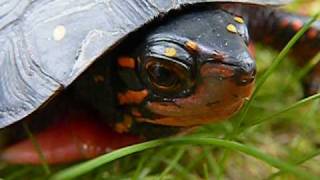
292, 137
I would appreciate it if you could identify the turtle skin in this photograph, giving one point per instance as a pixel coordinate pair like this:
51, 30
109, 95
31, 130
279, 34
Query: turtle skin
46, 45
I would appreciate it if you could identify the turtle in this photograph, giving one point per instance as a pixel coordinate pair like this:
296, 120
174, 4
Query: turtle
111, 73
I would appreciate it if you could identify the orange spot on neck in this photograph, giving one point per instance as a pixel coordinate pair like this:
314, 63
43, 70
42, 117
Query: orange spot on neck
132, 97
124, 126
126, 62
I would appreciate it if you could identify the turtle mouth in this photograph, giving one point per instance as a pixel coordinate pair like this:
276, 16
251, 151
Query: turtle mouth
221, 92
198, 118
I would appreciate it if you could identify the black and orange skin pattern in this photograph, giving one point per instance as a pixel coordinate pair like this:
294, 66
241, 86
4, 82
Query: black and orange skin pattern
276, 27
216, 58
213, 61
102, 96
126, 81
131, 105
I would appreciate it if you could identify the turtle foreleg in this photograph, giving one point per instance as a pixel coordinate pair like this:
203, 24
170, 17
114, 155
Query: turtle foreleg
74, 136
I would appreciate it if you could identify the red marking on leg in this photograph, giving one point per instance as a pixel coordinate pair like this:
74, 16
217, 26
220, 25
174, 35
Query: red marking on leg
77, 137
297, 25
312, 33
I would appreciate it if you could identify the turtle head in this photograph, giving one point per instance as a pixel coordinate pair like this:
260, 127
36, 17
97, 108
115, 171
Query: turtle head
192, 70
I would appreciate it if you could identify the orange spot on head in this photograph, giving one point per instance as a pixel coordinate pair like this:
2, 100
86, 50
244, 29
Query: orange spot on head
297, 25
191, 45
132, 97
126, 62
312, 33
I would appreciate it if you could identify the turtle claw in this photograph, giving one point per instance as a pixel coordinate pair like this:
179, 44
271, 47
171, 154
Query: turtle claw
77, 137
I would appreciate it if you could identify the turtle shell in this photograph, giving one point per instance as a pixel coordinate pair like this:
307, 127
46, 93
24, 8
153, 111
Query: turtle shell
47, 44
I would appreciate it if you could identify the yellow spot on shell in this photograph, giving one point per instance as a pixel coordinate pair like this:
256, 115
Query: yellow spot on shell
238, 19
59, 33
170, 52
232, 28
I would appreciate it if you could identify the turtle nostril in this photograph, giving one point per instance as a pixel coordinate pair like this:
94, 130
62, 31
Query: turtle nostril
246, 71
245, 77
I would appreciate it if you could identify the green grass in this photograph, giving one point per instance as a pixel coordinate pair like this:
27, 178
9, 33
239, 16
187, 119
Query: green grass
83, 168
277, 137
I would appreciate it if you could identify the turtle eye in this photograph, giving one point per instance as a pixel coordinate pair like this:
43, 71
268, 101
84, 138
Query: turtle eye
164, 76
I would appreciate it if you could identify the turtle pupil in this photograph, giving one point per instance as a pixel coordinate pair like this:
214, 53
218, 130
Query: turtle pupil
162, 76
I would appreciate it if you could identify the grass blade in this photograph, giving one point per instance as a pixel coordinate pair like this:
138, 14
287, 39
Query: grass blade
307, 68
37, 148
85, 167
303, 72
88, 166
205, 172
301, 161
248, 150
272, 68
289, 108
172, 163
